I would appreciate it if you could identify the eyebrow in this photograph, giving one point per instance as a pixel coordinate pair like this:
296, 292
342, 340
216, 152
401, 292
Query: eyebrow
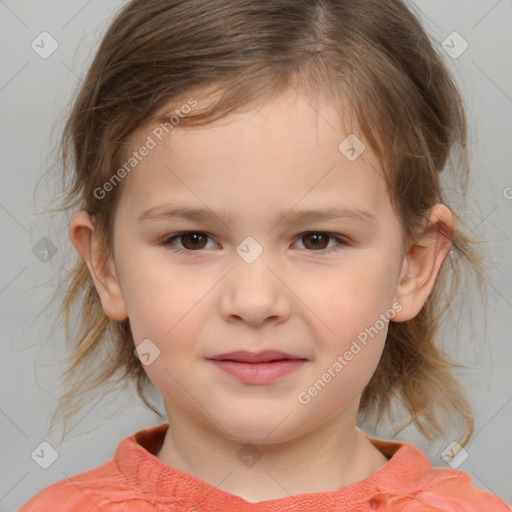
286, 217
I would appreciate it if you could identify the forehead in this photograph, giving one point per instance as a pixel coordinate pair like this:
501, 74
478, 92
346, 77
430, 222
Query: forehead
285, 151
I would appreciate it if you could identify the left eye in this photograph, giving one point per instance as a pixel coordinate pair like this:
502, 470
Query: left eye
194, 241
318, 240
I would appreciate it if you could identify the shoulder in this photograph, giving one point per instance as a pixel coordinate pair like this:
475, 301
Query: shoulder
410, 482
111, 486
97, 489
446, 489
455, 489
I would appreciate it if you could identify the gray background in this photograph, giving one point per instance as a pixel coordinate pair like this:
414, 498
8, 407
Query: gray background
34, 93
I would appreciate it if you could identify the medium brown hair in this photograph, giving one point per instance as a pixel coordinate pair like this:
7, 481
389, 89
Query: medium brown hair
372, 54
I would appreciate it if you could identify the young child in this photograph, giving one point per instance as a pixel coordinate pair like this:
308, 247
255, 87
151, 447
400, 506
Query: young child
264, 237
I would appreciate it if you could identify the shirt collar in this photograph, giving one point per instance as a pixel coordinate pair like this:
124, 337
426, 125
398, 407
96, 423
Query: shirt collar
135, 457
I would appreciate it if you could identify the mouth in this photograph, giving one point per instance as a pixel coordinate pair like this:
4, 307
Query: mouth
257, 367
264, 356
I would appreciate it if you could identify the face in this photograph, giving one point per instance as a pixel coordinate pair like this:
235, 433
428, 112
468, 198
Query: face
253, 272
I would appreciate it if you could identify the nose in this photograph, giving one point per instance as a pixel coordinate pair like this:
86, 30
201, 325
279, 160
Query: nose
255, 293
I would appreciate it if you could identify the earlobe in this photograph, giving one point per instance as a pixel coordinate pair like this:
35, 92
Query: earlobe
423, 262
86, 241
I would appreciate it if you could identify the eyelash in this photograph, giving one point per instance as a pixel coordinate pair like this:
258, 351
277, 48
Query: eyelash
169, 241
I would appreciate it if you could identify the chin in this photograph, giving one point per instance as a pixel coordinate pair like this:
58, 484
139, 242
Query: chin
257, 431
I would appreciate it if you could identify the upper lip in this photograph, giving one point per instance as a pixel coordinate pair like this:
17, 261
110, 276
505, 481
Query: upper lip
264, 356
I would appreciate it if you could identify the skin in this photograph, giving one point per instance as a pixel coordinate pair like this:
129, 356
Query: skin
296, 297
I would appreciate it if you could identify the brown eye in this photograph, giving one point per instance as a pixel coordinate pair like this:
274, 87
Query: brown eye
193, 241
321, 242
187, 241
315, 240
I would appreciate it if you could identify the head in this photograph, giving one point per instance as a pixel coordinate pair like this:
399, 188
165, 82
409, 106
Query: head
291, 83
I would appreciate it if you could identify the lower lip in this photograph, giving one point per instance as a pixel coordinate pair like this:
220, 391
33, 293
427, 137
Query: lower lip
259, 373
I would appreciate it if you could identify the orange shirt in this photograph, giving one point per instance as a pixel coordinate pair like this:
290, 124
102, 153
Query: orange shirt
135, 480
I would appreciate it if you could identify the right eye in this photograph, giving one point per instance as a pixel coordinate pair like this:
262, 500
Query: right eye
191, 241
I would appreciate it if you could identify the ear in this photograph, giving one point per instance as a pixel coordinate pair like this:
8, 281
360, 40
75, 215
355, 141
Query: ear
87, 243
422, 263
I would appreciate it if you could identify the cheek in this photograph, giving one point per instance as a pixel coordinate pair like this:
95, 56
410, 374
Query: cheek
163, 314
169, 318
157, 295
356, 293
354, 305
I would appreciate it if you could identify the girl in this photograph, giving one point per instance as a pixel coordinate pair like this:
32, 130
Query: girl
264, 237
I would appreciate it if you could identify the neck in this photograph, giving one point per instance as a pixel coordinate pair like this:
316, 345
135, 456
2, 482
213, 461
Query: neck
330, 457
